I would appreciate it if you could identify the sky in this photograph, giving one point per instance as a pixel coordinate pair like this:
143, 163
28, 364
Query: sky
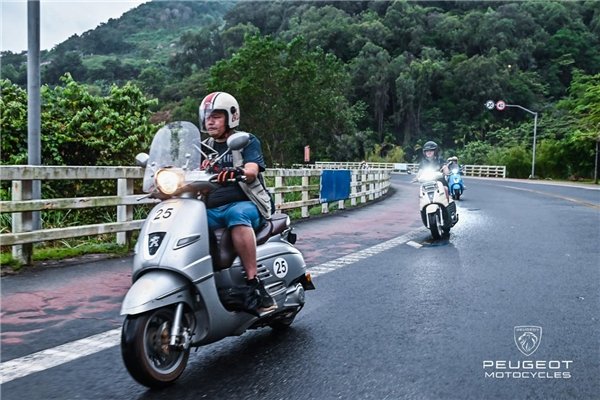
59, 20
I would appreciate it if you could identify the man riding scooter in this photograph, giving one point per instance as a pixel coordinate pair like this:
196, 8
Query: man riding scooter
228, 206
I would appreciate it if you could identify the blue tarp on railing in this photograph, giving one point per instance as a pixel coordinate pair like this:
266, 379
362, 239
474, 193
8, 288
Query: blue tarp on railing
335, 185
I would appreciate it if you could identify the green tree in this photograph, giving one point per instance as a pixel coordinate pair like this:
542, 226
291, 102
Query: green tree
406, 22
233, 38
152, 80
13, 123
583, 104
326, 27
289, 96
77, 127
475, 152
14, 67
372, 80
199, 50
415, 86
68, 62
516, 159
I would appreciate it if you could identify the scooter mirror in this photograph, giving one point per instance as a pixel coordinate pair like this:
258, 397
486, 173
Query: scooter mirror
238, 140
141, 160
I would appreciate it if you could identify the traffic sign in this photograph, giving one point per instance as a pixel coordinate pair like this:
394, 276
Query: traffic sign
490, 104
500, 105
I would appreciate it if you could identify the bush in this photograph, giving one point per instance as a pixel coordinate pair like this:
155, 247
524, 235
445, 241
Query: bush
516, 159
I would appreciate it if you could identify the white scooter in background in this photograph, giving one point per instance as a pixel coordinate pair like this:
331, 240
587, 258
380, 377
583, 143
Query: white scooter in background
188, 282
438, 210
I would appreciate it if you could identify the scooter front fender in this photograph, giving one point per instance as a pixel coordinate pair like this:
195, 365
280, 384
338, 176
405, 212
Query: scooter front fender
156, 289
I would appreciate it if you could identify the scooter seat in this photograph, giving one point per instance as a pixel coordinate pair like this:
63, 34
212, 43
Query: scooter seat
221, 243
276, 225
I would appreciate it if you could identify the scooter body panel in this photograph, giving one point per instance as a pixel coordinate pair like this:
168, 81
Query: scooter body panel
156, 289
455, 184
175, 235
173, 258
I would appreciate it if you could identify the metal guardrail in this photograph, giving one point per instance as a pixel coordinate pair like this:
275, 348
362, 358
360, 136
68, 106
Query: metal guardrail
483, 171
365, 186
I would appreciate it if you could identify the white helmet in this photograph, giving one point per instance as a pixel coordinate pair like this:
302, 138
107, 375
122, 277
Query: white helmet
223, 102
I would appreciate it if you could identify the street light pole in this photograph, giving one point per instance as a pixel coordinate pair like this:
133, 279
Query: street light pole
535, 115
534, 134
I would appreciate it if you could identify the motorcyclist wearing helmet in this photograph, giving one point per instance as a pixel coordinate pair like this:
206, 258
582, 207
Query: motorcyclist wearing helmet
227, 205
432, 159
452, 163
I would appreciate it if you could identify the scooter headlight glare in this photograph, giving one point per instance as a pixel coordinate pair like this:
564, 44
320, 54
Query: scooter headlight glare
428, 176
168, 181
455, 171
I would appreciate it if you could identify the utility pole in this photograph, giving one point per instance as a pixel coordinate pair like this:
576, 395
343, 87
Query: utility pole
535, 116
34, 152
596, 162
27, 189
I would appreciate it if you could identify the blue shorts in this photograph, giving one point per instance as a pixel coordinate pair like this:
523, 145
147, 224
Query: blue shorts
233, 214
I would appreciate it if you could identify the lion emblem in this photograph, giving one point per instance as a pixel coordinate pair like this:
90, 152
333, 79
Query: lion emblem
527, 338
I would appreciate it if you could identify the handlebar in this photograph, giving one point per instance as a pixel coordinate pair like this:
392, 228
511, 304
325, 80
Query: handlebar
243, 178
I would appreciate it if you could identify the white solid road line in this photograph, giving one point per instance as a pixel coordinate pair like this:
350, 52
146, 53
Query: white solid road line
45, 359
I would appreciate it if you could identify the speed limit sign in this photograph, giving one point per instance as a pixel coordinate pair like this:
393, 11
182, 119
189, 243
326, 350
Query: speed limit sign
500, 105
490, 104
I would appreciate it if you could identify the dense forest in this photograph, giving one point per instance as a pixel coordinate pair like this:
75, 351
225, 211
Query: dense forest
352, 79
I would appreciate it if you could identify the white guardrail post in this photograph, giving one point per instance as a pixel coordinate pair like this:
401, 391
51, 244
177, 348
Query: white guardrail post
124, 213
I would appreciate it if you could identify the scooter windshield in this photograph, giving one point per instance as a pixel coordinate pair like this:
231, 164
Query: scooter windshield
174, 145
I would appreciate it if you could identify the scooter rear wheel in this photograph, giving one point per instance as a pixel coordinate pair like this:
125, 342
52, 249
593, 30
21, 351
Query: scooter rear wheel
283, 324
146, 351
456, 194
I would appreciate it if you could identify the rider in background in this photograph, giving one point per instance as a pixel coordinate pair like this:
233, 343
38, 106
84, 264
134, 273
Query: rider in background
453, 163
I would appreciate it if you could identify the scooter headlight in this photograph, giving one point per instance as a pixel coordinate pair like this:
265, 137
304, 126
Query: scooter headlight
168, 181
455, 171
428, 175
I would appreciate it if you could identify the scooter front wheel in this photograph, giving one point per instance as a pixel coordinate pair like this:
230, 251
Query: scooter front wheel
146, 351
435, 226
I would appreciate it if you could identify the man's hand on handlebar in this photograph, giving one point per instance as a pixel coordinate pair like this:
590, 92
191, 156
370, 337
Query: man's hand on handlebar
229, 174
211, 168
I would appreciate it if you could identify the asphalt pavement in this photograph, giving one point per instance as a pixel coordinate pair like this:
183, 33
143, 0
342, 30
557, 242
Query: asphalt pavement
395, 314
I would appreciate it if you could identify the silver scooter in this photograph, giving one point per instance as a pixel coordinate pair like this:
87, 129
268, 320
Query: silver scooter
187, 280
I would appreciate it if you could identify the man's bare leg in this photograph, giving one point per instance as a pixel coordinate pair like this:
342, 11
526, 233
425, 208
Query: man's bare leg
244, 242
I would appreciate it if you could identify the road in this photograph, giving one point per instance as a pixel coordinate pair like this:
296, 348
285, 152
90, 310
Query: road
410, 318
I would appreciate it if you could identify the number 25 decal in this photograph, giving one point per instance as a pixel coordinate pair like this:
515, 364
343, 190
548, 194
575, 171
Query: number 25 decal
280, 267
163, 213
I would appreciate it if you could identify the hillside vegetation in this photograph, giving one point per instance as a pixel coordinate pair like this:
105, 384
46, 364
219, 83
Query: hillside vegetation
352, 79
